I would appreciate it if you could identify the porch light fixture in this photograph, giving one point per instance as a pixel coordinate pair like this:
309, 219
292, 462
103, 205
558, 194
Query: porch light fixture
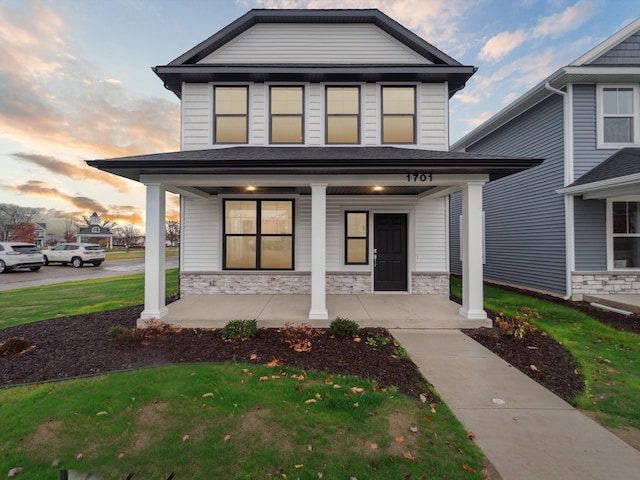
378, 188
251, 188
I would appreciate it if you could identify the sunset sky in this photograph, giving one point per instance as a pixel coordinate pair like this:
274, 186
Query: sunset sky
76, 80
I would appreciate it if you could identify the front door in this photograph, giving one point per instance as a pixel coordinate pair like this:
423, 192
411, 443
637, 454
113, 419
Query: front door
390, 252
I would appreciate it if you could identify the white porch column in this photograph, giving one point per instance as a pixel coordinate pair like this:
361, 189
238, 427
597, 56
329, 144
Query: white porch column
318, 309
472, 252
154, 257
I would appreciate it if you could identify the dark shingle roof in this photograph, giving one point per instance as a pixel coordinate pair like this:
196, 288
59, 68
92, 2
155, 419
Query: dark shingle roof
622, 163
265, 160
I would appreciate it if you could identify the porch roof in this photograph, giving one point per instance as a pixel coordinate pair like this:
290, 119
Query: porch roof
271, 160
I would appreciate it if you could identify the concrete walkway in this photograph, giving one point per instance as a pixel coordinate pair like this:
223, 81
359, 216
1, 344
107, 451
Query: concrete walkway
533, 434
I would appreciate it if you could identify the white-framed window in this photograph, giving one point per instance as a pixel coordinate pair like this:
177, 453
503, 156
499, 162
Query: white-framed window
618, 122
624, 233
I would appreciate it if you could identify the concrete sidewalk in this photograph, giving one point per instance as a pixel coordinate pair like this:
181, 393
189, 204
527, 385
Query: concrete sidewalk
534, 434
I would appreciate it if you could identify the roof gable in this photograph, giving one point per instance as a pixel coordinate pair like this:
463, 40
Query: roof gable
610, 51
307, 16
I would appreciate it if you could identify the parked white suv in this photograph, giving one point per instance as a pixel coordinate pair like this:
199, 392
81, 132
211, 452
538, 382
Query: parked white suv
20, 255
77, 254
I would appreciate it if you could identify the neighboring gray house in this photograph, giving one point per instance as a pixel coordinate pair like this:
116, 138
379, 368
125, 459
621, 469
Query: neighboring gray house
314, 160
572, 224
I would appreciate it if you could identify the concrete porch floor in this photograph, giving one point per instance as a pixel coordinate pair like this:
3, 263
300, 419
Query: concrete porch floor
379, 310
628, 302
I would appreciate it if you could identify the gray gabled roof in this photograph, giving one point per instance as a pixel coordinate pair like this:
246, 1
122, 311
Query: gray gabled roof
185, 68
270, 160
622, 163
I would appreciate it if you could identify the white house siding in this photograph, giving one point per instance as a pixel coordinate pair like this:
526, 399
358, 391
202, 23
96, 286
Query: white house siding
432, 111
258, 114
370, 115
196, 116
309, 43
201, 267
314, 111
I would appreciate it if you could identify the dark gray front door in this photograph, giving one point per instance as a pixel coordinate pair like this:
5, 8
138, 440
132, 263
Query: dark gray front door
390, 252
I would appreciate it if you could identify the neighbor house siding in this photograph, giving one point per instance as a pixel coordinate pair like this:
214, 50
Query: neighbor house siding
196, 116
200, 237
625, 53
585, 154
590, 234
308, 43
524, 216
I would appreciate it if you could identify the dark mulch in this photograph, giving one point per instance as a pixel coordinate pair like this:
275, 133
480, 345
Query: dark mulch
78, 345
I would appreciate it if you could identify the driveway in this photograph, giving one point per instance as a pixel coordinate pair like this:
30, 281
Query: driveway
52, 274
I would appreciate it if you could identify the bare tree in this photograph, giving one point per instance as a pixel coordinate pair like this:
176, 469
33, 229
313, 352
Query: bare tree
13, 215
70, 230
103, 223
127, 234
173, 232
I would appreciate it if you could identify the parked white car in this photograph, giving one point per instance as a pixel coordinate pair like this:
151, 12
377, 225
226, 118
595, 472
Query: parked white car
20, 255
77, 254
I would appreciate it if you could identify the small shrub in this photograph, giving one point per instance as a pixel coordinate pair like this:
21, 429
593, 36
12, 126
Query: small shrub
298, 337
240, 330
518, 325
116, 332
344, 327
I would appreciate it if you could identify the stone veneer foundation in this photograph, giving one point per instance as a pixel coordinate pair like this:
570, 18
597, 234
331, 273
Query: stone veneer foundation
602, 283
281, 283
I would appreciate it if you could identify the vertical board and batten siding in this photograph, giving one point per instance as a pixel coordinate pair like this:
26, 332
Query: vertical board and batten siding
200, 236
196, 125
313, 43
524, 216
590, 235
625, 53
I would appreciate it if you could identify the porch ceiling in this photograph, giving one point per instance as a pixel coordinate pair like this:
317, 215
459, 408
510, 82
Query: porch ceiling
306, 190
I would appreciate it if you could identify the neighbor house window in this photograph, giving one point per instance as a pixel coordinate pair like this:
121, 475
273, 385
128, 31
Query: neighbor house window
357, 238
231, 107
618, 115
398, 114
626, 234
258, 234
343, 115
287, 114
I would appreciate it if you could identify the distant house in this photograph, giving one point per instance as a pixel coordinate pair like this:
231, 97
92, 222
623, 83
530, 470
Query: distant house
571, 225
39, 232
95, 231
314, 160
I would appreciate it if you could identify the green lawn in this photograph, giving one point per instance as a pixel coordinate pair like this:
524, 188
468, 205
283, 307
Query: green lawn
126, 253
608, 358
60, 300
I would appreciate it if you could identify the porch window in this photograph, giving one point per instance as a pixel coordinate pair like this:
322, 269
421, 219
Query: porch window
357, 238
287, 114
258, 234
343, 115
626, 234
231, 106
618, 118
398, 114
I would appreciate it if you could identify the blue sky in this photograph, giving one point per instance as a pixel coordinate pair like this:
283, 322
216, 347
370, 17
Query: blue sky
76, 80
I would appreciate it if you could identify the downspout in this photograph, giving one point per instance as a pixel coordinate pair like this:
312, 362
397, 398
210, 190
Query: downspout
568, 179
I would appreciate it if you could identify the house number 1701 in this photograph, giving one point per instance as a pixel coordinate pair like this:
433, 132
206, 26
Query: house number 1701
419, 177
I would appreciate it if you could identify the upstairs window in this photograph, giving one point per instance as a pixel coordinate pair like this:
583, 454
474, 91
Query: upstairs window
398, 114
618, 115
626, 234
231, 107
287, 114
343, 115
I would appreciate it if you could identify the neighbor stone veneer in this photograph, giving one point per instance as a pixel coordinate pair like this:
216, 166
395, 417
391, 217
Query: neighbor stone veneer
236, 283
599, 283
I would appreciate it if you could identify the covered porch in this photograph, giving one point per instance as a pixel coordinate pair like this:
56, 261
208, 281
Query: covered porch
374, 310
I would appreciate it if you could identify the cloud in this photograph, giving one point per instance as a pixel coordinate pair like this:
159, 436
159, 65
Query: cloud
75, 171
51, 98
570, 19
501, 44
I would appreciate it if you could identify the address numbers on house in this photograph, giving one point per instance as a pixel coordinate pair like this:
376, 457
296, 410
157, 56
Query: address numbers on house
419, 177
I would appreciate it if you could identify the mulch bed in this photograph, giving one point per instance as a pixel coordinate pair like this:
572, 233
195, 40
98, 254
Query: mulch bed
75, 346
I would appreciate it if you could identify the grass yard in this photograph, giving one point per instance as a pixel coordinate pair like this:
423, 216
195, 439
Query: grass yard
232, 421
609, 358
60, 300
127, 253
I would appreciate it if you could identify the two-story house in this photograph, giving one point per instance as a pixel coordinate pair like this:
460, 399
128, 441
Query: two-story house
314, 160
572, 224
